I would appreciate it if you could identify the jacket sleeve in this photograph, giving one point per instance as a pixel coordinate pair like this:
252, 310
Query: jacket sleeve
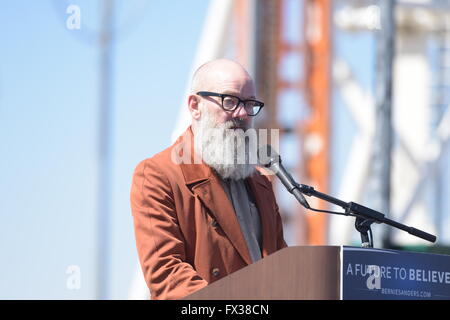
159, 241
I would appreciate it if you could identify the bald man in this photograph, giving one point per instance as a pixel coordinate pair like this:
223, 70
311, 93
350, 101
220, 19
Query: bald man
201, 208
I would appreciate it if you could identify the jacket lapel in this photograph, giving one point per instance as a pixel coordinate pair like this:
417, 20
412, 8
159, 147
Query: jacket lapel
213, 196
205, 185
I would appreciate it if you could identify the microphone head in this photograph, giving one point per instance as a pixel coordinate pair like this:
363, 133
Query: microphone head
267, 156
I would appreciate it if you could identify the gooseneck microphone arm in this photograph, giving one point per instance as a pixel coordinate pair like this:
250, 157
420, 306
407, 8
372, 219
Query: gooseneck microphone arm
287, 180
364, 215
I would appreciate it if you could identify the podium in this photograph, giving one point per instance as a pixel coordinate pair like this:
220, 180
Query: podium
334, 273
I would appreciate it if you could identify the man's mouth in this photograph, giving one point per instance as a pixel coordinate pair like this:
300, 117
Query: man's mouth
238, 124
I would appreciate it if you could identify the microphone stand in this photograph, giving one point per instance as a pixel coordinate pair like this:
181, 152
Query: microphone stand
364, 216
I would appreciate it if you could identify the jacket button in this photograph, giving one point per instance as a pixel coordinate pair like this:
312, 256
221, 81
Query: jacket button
215, 272
214, 224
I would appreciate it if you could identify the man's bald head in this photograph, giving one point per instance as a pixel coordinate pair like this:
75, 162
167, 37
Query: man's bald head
220, 76
212, 75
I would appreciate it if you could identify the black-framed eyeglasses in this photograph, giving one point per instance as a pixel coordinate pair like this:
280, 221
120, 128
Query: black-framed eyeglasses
231, 103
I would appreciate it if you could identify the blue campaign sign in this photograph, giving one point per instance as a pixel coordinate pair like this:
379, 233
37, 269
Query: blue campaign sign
394, 275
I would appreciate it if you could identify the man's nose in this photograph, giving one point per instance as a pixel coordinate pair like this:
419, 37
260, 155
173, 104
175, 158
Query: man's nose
240, 112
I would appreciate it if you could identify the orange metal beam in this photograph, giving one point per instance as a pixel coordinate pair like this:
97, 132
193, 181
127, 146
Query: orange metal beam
241, 31
289, 48
314, 48
315, 131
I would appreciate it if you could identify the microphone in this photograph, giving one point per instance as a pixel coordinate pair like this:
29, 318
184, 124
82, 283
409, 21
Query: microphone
270, 159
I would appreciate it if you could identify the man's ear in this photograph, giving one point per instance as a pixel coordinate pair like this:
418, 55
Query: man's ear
193, 105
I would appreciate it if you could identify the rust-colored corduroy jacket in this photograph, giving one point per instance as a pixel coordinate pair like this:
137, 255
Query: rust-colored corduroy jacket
187, 233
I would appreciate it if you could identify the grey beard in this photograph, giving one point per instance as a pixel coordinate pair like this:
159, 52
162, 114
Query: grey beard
225, 150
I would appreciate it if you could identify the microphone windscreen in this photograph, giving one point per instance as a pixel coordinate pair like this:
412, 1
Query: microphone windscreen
267, 156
